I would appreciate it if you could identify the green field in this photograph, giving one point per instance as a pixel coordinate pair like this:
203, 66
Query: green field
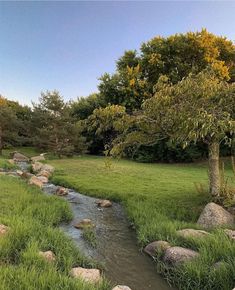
32, 218
159, 199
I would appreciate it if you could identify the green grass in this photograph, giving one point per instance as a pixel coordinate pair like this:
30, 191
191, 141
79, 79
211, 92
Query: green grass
32, 218
159, 199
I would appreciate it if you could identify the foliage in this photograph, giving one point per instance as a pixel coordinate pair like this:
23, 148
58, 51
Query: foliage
84, 107
101, 125
56, 129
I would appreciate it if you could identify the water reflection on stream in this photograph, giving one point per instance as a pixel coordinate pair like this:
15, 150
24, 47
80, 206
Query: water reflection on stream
117, 247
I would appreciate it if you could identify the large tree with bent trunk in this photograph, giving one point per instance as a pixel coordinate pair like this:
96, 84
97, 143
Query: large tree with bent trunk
199, 108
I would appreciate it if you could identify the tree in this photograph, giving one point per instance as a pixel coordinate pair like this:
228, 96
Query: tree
8, 123
56, 130
84, 107
179, 55
100, 126
199, 108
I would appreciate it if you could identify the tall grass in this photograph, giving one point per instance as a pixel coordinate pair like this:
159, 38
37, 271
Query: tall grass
32, 217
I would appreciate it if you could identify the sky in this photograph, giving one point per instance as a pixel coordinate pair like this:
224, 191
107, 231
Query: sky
67, 45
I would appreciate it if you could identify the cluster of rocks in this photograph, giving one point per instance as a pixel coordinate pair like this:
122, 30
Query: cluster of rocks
212, 216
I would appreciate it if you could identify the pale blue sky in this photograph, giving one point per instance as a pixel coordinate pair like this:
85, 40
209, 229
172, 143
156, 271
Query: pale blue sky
68, 45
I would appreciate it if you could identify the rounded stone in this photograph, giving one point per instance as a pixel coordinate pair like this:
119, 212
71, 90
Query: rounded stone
88, 275
178, 255
156, 247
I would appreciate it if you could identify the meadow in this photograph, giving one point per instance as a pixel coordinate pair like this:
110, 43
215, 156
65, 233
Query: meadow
33, 219
159, 200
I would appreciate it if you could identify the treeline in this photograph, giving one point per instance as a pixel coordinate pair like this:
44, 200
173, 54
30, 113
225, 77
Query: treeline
114, 120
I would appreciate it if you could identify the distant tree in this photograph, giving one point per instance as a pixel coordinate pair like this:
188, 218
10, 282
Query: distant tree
56, 130
84, 107
178, 55
127, 88
199, 108
8, 123
100, 126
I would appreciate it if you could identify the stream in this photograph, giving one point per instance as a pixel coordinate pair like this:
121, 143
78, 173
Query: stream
117, 249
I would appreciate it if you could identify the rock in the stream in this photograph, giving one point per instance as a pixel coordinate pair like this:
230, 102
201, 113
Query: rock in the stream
192, 233
214, 215
88, 275
38, 158
26, 175
230, 233
61, 191
19, 172
18, 157
37, 166
156, 247
43, 179
177, 255
121, 287
3, 229
104, 203
44, 173
48, 168
84, 224
35, 181
48, 256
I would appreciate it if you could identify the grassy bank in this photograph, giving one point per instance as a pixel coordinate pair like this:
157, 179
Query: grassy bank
32, 218
159, 200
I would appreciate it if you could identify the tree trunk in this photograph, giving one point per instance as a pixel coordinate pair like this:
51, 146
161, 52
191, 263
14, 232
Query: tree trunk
214, 170
1, 142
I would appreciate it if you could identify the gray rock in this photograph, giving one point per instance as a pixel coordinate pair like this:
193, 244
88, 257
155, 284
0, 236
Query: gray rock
87, 275
48, 256
18, 157
61, 191
104, 203
156, 247
84, 224
178, 255
192, 233
213, 215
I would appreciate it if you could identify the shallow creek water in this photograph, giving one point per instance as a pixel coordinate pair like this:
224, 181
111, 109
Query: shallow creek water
116, 248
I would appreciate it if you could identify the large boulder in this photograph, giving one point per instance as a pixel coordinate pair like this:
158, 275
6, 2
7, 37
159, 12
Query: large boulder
213, 215
121, 287
156, 247
88, 275
192, 233
36, 181
178, 255
3, 229
48, 256
18, 157
104, 203
84, 224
